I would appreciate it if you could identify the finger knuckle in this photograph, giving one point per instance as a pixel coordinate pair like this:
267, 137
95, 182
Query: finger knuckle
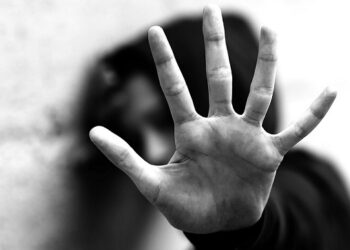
263, 90
215, 37
220, 74
318, 113
174, 89
254, 114
267, 55
299, 131
191, 116
163, 59
122, 159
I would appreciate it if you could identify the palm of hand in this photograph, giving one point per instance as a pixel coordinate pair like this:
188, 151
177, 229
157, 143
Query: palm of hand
221, 173
219, 162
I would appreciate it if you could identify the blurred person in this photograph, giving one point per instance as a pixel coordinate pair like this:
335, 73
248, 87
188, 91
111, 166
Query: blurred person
233, 182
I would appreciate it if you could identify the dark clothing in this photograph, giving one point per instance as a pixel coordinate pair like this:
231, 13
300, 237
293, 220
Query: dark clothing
308, 208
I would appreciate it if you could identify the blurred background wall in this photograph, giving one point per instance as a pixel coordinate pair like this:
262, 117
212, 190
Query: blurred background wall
46, 47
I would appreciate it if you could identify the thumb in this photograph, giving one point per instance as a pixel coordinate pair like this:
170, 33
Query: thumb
144, 175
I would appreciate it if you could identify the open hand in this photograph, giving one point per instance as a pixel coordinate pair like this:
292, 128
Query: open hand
221, 173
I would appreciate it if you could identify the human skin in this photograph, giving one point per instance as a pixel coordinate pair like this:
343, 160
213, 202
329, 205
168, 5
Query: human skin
221, 173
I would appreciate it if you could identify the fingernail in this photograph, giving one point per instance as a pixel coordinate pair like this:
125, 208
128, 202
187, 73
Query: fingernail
330, 90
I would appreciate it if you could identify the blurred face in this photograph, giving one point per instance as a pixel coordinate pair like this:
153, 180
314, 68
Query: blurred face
143, 111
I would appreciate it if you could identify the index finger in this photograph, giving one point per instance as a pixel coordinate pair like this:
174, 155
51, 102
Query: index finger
170, 77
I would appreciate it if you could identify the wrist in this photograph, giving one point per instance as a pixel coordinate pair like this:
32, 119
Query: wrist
232, 239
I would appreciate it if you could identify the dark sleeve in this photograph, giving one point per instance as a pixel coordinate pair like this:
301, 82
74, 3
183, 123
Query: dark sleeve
308, 209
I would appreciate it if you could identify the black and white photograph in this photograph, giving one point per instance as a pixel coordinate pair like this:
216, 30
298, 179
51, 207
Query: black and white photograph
174, 125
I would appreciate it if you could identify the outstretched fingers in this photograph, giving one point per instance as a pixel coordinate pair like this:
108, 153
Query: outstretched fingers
170, 77
144, 175
261, 89
310, 119
217, 62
